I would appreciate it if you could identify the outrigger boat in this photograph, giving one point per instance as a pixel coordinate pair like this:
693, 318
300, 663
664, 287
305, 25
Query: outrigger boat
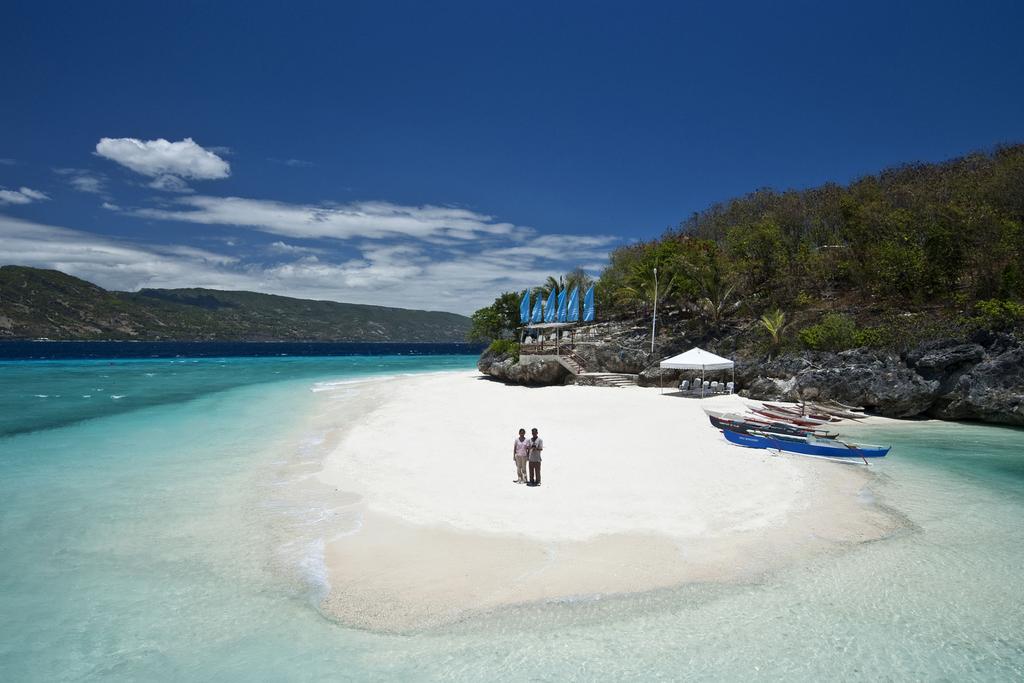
801, 412
841, 413
746, 424
780, 416
806, 445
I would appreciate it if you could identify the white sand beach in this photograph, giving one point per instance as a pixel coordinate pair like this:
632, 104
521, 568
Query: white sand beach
639, 492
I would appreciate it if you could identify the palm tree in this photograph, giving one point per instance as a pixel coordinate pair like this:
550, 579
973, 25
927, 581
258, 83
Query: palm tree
577, 277
717, 302
774, 322
549, 284
716, 291
642, 283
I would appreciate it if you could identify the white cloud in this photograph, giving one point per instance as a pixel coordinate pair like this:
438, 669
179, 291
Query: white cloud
22, 195
111, 263
285, 248
7, 162
169, 183
337, 221
169, 163
556, 247
294, 163
83, 180
87, 183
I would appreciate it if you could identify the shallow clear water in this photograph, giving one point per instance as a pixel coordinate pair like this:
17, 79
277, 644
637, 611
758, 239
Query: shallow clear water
135, 544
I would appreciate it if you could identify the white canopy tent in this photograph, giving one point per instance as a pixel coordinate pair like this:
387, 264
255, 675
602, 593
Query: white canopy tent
699, 359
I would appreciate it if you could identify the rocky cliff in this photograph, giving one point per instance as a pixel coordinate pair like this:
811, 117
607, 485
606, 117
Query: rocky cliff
981, 378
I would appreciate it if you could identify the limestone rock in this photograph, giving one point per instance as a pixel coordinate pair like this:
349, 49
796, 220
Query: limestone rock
992, 391
662, 377
529, 369
879, 382
613, 358
943, 356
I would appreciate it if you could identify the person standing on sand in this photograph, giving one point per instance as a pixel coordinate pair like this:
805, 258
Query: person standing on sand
520, 452
536, 446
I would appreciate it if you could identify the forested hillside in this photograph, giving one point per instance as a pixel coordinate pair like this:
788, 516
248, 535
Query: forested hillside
916, 252
48, 303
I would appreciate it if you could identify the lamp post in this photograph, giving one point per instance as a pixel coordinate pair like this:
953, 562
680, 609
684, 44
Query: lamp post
654, 318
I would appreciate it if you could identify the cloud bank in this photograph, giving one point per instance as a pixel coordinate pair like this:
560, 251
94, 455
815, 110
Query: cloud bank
398, 273
376, 252
335, 221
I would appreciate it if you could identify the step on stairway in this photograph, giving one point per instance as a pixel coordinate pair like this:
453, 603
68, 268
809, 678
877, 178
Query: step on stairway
572, 364
612, 379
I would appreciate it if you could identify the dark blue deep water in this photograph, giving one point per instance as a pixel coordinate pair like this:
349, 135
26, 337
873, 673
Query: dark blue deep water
67, 350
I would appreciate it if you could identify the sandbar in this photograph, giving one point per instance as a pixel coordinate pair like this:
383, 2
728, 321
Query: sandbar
639, 493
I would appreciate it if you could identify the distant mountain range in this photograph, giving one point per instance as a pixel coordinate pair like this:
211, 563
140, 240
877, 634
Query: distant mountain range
37, 303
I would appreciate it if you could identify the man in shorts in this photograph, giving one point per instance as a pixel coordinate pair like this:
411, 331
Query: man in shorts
520, 453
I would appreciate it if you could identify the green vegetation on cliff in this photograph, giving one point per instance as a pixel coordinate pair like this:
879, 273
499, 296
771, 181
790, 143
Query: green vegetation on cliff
914, 252
48, 303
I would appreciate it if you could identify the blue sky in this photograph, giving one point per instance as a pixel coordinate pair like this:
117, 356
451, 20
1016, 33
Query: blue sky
431, 155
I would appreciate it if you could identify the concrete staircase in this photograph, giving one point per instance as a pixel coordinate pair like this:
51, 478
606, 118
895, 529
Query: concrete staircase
610, 379
572, 363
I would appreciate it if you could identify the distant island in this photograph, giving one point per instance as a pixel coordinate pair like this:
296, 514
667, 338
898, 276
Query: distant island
37, 303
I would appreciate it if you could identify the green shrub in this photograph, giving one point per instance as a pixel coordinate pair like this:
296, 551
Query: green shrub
834, 333
874, 337
803, 300
503, 346
999, 314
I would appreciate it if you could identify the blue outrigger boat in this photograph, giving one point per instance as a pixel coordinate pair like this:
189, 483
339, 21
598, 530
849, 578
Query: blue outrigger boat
825, 448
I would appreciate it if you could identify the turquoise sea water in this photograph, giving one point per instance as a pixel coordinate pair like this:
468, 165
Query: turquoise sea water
135, 545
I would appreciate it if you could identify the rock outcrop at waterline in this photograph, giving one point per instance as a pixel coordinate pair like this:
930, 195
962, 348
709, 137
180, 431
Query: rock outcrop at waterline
527, 370
947, 379
978, 379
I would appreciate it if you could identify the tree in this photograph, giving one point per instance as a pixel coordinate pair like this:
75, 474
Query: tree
641, 283
577, 277
486, 325
544, 290
774, 322
712, 286
497, 321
